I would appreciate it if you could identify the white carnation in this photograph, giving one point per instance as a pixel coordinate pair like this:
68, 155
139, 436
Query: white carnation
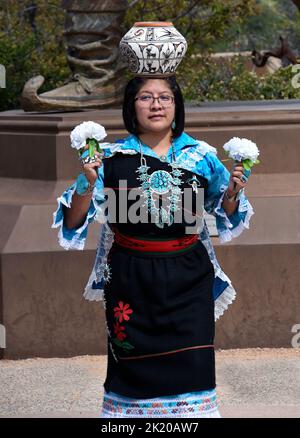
241, 149
86, 130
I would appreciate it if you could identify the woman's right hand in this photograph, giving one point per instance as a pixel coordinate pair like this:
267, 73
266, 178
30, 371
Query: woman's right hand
90, 169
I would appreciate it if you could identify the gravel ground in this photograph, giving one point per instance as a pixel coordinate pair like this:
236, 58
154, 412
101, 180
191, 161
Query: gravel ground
250, 383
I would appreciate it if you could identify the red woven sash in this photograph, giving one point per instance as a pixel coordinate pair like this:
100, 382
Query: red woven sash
154, 245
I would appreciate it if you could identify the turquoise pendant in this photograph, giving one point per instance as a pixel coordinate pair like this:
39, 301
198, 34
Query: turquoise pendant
161, 182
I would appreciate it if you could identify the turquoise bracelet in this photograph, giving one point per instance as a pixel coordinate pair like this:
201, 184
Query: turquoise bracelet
83, 187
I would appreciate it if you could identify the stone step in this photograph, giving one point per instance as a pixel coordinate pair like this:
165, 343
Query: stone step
42, 141
274, 197
18, 191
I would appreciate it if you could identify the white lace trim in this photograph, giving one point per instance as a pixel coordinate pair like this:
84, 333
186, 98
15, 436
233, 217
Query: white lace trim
119, 147
219, 209
91, 294
107, 236
227, 235
224, 300
113, 148
77, 242
204, 147
188, 160
230, 232
229, 294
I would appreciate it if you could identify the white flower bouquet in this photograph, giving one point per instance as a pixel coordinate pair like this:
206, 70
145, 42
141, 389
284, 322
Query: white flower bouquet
242, 150
88, 134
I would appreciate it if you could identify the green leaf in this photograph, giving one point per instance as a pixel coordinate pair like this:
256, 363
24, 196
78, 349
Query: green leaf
98, 148
247, 164
127, 346
117, 342
91, 150
93, 145
93, 142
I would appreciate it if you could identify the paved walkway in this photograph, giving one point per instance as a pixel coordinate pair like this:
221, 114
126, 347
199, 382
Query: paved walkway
251, 383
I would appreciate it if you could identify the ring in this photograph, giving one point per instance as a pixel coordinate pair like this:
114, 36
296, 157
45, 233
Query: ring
243, 178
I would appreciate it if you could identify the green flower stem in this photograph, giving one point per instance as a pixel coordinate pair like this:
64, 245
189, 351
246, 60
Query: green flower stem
93, 145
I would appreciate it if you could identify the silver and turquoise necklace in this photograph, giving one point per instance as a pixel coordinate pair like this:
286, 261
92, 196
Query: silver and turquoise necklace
160, 182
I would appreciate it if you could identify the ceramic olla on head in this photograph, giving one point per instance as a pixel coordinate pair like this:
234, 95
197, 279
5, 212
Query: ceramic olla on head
153, 48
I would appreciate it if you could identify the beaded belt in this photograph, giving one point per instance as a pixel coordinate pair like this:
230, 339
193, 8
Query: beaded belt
155, 245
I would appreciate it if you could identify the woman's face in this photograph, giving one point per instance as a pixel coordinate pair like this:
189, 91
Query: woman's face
154, 115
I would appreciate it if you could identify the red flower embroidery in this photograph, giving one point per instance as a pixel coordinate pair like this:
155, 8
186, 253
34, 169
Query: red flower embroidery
122, 312
118, 331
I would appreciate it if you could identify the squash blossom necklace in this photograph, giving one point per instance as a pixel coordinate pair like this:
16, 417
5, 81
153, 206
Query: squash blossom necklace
160, 182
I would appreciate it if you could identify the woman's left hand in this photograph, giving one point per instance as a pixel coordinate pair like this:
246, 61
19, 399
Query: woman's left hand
235, 183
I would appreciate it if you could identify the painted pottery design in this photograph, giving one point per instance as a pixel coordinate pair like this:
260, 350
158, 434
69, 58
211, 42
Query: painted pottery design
153, 48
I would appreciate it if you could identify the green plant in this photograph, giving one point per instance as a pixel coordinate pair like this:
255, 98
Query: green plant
209, 81
31, 43
29, 47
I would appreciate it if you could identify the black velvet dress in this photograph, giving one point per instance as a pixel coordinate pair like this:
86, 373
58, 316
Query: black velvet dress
159, 306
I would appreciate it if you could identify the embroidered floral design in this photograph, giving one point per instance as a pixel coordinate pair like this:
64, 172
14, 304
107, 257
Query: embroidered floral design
121, 313
118, 330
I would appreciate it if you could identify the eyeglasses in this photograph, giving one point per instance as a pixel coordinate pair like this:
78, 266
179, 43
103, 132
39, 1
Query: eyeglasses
146, 100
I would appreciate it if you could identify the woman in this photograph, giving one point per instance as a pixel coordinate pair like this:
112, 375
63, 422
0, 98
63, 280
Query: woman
160, 284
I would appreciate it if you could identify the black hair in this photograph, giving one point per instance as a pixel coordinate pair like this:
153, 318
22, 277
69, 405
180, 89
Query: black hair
129, 114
